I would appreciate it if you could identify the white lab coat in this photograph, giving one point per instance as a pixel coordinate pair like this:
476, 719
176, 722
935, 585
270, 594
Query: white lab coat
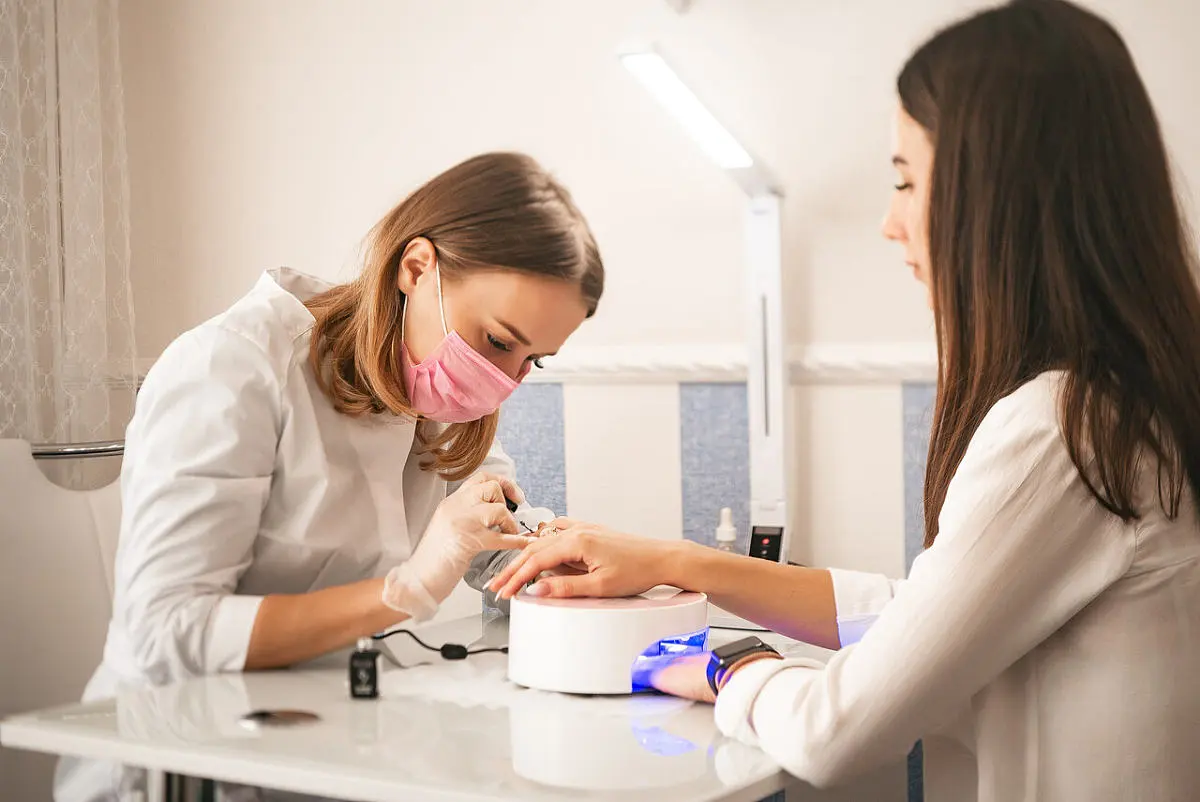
241, 480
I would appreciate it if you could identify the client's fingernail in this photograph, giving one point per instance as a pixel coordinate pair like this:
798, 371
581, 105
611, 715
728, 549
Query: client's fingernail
537, 589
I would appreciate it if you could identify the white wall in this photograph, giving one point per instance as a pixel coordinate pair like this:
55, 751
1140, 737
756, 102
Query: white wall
264, 132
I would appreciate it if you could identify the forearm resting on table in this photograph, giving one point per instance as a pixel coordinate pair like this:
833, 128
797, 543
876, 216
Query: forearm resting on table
291, 629
790, 599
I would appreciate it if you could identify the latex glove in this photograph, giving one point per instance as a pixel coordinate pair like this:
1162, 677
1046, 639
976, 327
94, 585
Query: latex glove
473, 519
487, 564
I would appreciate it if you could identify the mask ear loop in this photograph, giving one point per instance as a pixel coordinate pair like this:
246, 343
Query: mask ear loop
437, 272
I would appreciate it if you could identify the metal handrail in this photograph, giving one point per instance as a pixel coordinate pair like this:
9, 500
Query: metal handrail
106, 448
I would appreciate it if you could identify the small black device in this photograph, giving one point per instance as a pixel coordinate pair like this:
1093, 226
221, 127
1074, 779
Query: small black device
725, 656
766, 542
364, 670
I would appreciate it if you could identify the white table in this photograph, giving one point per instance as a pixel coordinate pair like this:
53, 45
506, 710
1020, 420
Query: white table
451, 731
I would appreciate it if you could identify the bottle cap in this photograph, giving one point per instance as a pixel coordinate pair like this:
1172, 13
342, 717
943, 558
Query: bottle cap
726, 531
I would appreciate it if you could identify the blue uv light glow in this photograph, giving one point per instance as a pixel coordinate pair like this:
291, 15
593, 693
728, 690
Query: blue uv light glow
660, 652
658, 741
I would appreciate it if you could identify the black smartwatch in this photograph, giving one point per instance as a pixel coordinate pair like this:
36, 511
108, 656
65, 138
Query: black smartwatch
725, 656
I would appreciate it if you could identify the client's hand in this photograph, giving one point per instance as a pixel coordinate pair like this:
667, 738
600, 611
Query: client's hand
684, 676
612, 564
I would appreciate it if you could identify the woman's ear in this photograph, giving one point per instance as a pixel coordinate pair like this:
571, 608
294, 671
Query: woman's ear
419, 258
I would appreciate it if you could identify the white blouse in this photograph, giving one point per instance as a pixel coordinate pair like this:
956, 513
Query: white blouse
1041, 648
242, 480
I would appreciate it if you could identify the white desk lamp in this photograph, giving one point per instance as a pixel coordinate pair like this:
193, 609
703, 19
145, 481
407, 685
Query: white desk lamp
592, 646
768, 384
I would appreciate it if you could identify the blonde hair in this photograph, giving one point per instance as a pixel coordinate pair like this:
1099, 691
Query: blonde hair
497, 211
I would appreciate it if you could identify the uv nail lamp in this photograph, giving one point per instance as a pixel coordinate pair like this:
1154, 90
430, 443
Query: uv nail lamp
594, 646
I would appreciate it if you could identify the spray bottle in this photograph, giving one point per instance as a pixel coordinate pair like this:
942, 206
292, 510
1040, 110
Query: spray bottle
726, 531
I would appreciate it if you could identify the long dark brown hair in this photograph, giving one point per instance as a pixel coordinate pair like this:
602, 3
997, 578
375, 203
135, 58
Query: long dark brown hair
1056, 243
496, 211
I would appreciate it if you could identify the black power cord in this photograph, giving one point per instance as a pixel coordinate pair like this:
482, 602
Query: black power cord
448, 651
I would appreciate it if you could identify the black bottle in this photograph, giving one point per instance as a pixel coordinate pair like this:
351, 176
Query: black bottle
364, 670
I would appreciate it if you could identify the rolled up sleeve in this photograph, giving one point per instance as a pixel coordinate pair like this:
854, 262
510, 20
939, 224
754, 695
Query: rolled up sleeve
200, 455
859, 598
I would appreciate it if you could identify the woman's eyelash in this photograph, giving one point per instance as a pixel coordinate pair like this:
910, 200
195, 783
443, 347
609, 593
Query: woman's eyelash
904, 186
500, 345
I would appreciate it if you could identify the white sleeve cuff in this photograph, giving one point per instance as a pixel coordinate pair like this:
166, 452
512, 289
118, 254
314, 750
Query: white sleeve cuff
735, 703
229, 633
859, 598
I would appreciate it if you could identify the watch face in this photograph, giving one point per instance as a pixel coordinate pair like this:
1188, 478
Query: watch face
731, 650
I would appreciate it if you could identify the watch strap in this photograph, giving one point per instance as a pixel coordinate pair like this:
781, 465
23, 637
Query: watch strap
725, 657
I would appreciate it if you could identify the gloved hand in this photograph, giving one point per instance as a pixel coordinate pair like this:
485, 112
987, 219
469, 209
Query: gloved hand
473, 519
486, 564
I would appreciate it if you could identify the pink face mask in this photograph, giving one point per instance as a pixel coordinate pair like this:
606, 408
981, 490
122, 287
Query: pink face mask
455, 383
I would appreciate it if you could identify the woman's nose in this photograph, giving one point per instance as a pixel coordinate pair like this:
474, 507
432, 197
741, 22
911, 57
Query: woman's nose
891, 228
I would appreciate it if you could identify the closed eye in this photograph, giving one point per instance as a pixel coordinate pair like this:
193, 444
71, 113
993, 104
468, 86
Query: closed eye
904, 186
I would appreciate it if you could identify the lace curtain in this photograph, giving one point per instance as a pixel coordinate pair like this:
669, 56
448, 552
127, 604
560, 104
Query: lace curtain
67, 356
